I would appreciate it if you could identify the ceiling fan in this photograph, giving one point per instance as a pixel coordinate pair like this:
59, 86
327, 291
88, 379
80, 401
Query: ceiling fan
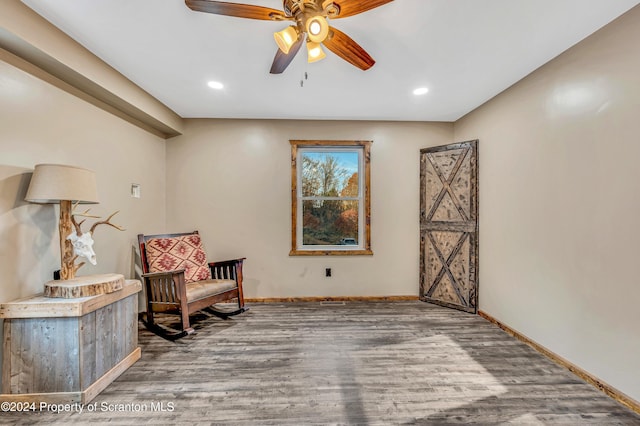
309, 17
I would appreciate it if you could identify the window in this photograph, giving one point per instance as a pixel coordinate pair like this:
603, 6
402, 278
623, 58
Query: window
330, 198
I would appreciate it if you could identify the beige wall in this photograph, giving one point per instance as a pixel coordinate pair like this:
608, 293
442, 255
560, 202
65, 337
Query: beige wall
231, 179
26, 34
559, 199
40, 123
558, 195
79, 111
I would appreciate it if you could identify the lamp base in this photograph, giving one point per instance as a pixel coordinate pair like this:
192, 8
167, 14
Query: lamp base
90, 285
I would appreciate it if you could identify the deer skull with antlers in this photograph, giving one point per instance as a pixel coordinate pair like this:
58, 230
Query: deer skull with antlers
83, 242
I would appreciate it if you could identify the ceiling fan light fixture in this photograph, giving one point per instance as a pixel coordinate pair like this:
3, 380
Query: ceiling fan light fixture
286, 38
310, 19
317, 29
314, 52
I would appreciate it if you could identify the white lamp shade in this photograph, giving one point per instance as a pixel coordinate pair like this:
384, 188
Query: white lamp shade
52, 183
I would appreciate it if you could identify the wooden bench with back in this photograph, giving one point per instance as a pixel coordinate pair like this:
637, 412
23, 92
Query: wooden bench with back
179, 280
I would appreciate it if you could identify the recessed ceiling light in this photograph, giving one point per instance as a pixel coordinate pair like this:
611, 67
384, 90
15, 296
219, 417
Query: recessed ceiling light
215, 85
420, 91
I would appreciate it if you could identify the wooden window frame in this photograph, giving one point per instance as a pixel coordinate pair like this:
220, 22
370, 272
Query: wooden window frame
365, 249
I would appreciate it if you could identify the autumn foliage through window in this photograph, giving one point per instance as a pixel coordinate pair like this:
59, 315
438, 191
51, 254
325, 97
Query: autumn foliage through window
330, 198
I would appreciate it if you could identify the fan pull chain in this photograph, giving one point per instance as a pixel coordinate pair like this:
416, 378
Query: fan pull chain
306, 77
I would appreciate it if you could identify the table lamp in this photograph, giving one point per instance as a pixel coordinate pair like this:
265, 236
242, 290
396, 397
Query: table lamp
64, 185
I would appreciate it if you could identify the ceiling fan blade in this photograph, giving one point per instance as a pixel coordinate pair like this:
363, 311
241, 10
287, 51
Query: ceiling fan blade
282, 60
353, 7
236, 9
343, 46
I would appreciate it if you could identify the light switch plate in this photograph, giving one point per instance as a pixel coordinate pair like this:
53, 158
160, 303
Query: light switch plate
135, 190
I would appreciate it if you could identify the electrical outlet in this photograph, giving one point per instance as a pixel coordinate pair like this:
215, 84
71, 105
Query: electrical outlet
327, 272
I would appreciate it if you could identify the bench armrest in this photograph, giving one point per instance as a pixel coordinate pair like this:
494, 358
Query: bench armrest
167, 288
162, 274
229, 270
231, 262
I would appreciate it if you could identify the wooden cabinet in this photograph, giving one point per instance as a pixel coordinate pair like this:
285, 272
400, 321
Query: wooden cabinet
68, 350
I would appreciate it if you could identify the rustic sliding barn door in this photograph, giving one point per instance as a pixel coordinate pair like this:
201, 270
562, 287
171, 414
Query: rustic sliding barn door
449, 225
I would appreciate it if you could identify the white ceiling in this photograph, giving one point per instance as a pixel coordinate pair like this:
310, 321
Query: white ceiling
464, 51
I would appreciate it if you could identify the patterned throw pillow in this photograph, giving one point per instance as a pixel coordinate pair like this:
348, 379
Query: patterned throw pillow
184, 252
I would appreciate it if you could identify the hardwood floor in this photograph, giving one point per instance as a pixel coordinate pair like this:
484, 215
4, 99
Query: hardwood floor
368, 363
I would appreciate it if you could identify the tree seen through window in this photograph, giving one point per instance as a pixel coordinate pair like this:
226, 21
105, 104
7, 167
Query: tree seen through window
330, 198
330, 203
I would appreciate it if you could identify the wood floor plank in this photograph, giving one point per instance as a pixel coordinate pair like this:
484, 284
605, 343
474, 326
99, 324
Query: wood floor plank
367, 363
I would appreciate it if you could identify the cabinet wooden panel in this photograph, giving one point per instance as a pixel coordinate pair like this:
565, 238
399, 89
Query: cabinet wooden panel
73, 352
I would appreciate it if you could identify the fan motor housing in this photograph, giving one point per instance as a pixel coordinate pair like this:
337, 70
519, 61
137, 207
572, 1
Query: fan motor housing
324, 7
